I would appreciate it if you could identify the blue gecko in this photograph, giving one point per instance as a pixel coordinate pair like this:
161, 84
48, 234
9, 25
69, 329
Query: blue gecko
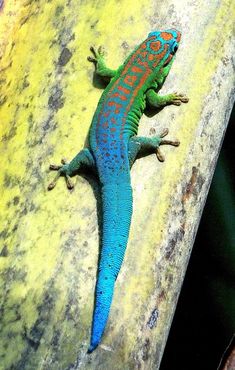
114, 146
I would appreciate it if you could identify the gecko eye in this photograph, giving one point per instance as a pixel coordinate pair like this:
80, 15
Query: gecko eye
175, 48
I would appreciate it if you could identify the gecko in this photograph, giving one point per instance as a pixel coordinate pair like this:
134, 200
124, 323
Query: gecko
113, 146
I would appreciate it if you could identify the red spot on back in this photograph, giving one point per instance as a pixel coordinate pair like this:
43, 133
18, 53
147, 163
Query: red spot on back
151, 57
105, 124
130, 80
107, 113
123, 89
144, 54
113, 103
122, 97
144, 64
136, 69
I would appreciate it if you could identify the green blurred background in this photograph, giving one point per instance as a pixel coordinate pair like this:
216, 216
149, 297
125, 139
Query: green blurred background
204, 322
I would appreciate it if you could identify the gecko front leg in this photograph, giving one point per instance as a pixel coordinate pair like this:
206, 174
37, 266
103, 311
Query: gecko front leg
158, 101
98, 59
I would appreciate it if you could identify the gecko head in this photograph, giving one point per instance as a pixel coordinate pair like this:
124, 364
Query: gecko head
162, 46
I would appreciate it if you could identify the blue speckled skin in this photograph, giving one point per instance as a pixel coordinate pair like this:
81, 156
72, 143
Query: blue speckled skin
114, 146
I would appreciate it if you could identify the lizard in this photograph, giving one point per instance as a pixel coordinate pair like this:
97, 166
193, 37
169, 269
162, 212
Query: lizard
113, 146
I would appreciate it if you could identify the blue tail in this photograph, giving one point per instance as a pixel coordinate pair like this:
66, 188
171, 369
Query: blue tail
117, 211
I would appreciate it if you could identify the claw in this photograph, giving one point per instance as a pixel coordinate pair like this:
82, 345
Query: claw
92, 49
164, 132
96, 54
101, 51
170, 142
53, 183
176, 102
69, 182
90, 59
178, 98
54, 167
159, 154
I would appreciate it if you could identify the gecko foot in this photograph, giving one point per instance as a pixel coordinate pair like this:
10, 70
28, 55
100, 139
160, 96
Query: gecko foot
159, 154
62, 171
97, 54
177, 98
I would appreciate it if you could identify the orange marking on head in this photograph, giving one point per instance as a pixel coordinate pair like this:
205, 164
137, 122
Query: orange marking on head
113, 121
166, 36
113, 129
143, 46
155, 45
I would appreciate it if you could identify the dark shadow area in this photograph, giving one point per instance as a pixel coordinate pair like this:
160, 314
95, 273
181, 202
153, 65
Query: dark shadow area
204, 321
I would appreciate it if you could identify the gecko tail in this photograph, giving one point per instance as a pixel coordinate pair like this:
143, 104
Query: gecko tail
117, 211
103, 300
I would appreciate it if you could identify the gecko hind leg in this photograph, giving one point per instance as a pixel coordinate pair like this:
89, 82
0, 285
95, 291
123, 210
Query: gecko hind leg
62, 171
83, 158
159, 154
140, 144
